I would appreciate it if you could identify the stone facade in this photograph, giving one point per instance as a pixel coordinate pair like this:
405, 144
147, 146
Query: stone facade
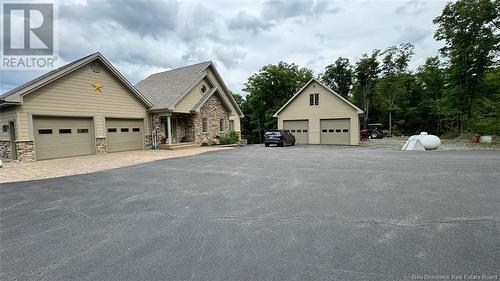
159, 127
5, 150
148, 139
213, 110
25, 151
101, 145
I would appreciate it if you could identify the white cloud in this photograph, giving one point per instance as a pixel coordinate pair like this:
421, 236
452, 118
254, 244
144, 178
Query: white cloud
143, 37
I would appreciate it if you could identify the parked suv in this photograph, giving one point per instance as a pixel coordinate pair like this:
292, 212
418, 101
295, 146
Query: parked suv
279, 137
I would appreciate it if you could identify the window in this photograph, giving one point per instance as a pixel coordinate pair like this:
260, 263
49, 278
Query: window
136, 129
221, 125
304, 131
293, 131
82, 131
44, 131
331, 130
231, 124
204, 125
111, 130
314, 99
324, 130
64, 131
345, 130
124, 130
298, 131
338, 130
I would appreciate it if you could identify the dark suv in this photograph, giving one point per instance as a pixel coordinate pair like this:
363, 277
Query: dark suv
279, 137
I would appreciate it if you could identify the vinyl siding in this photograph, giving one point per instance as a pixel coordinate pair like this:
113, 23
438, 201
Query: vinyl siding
330, 107
192, 98
235, 115
73, 95
6, 115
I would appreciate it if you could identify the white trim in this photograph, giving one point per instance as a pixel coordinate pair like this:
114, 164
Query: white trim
172, 106
324, 86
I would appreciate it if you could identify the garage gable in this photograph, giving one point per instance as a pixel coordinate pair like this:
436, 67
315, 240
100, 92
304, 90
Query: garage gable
328, 102
96, 62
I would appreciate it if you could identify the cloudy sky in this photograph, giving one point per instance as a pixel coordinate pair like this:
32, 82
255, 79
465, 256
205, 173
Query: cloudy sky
144, 37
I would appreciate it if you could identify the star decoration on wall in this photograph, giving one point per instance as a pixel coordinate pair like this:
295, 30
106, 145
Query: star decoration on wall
97, 87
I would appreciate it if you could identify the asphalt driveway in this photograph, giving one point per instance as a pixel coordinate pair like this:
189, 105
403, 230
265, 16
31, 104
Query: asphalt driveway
256, 213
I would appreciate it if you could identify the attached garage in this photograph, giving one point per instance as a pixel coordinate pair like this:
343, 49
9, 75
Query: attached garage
57, 137
299, 128
335, 131
124, 134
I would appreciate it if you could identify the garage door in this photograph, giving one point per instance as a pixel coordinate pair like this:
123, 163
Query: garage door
299, 128
57, 137
124, 134
335, 131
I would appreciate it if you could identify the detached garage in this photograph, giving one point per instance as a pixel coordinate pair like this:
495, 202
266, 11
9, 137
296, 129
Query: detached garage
318, 115
82, 108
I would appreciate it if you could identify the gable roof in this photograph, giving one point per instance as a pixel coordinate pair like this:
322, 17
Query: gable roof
324, 86
15, 95
166, 89
197, 107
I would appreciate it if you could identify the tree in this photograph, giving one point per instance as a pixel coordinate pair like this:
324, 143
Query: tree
366, 73
339, 76
268, 90
395, 72
469, 29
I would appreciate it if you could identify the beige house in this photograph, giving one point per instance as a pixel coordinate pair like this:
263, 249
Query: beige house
88, 107
191, 104
318, 115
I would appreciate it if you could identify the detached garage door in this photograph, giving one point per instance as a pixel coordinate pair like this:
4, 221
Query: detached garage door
57, 137
299, 128
124, 134
335, 131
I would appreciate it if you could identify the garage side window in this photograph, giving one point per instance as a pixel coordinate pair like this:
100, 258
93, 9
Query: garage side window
45, 131
136, 129
64, 131
204, 125
83, 131
314, 99
111, 130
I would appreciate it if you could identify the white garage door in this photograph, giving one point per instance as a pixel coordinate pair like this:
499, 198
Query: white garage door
57, 137
124, 134
299, 128
335, 131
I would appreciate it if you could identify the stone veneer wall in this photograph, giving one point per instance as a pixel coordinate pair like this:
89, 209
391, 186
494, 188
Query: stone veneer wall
148, 140
25, 151
5, 150
101, 145
214, 111
158, 127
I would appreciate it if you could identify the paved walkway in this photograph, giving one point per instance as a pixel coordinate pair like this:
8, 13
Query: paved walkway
15, 171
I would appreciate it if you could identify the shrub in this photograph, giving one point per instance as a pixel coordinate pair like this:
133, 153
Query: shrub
230, 138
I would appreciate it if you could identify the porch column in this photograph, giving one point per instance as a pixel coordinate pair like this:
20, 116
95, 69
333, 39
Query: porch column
169, 133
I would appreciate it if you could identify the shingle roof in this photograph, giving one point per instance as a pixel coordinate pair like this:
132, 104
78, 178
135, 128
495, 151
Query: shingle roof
163, 89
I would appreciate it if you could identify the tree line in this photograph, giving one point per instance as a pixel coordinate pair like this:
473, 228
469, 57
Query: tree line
457, 91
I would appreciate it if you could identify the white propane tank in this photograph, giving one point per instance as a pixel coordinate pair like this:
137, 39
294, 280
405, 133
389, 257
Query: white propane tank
430, 142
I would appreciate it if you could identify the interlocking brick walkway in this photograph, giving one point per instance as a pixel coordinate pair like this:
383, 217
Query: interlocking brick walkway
14, 171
